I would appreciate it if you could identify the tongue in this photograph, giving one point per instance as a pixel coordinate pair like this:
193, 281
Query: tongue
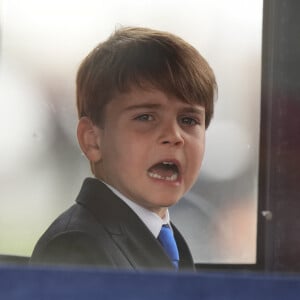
163, 170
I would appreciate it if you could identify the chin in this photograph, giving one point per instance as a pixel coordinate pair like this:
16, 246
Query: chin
168, 203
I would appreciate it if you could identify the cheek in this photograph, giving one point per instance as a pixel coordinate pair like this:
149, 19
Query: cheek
202, 149
197, 155
127, 152
112, 150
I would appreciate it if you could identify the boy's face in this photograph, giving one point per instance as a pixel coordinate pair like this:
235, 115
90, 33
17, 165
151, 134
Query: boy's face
151, 147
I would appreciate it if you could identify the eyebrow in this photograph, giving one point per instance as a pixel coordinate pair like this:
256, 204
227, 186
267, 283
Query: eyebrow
188, 109
194, 110
143, 106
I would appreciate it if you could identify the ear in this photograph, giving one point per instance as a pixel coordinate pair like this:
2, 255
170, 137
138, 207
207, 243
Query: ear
88, 136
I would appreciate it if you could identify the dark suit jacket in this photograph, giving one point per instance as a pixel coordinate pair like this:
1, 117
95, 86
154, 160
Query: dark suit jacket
101, 230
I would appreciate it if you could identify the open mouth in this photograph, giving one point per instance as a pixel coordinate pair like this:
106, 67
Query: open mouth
165, 170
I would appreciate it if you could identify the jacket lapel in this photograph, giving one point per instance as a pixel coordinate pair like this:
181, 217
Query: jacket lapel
186, 260
141, 248
133, 238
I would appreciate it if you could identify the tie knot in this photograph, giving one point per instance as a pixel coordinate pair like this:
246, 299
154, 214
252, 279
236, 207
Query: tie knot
167, 240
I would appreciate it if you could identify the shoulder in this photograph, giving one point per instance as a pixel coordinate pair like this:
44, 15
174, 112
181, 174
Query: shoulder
71, 248
75, 219
75, 237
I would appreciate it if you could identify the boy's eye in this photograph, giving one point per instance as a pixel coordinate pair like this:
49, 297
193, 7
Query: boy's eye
189, 121
144, 117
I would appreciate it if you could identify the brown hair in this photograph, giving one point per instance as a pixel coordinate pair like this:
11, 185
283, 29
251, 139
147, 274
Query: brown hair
134, 56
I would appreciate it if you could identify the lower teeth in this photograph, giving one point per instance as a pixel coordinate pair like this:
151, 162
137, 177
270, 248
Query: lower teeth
168, 178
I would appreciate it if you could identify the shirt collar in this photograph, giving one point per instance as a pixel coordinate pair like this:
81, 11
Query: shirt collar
152, 221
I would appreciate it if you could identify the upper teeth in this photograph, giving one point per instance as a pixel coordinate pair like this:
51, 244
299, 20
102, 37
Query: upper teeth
167, 163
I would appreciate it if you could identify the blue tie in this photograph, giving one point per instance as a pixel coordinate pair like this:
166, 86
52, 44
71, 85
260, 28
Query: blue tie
167, 240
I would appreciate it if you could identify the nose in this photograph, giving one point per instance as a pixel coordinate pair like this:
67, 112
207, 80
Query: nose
171, 134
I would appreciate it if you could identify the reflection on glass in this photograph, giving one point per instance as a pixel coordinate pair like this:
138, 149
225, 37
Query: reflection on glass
41, 165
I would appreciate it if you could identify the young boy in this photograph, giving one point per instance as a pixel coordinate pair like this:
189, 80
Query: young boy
144, 99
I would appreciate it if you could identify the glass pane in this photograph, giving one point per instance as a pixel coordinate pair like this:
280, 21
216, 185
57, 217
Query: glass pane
42, 167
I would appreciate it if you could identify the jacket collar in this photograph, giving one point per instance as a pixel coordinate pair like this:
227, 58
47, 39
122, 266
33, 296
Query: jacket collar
126, 229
